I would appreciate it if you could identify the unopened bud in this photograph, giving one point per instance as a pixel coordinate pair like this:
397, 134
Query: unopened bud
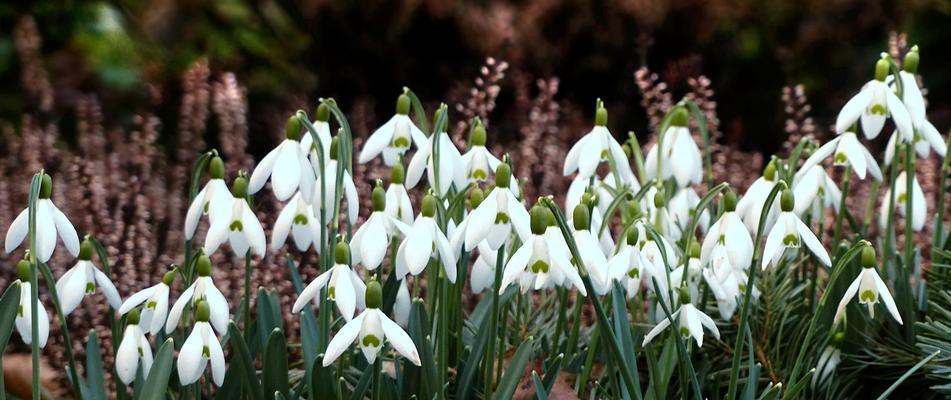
581, 217
322, 113
428, 208
294, 128
911, 60
402, 105
216, 168
786, 201
342, 253
374, 296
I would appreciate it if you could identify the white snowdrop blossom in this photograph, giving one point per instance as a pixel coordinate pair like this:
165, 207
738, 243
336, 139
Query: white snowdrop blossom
731, 235
394, 137
240, 228
286, 166
847, 150
790, 232
423, 161
200, 347
542, 261
50, 223
476, 164
321, 126
82, 279
328, 181
371, 240
679, 156
682, 209
497, 216
203, 289
691, 322
870, 288
134, 350
24, 318
398, 204
344, 287
727, 282
815, 190
297, 220
873, 105
596, 146
370, 329
600, 193
592, 258
919, 207
155, 310
750, 206
423, 241
213, 199
627, 266
483, 269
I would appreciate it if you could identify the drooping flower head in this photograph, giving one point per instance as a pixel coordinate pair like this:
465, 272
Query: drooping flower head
155, 310
286, 166
322, 127
919, 206
344, 287
730, 234
873, 105
134, 350
870, 288
328, 182
201, 347
543, 261
398, 204
214, 199
476, 164
24, 317
82, 279
594, 260
50, 223
371, 240
498, 215
394, 137
425, 241
690, 320
202, 290
790, 232
678, 153
596, 146
240, 228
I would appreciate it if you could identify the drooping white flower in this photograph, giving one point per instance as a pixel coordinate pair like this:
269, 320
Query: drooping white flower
403, 305
24, 318
286, 166
790, 232
50, 223
543, 260
371, 240
726, 281
82, 279
682, 208
498, 216
298, 220
424, 241
829, 360
240, 228
814, 190
155, 311
394, 137
596, 146
213, 199
589, 249
398, 204
919, 208
680, 158
476, 164
750, 206
691, 322
731, 234
483, 269
202, 289
423, 161
370, 329
847, 150
134, 350
928, 138
873, 105
329, 182
662, 220
321, 126
344, 287
627, 265
200, 347
870, 288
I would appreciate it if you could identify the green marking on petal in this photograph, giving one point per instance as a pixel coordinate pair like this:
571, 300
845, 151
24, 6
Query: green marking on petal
634, 273
684, 332
236, 226
791, 240
502, 218
90, 288
371, 341
205, 352
539, 267
878, 109
840, 159
300, 219
20, 310
902, 198
401, 142
868, 296
151, 305
604, 155
141, 354
479, 175
331, 292
207, 205
721, 239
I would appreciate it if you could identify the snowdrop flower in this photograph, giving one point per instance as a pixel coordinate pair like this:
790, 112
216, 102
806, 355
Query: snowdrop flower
849, 151
371, 240
680, 158
483, 269
682, 208
790, 232
403, 305
829, 360
750, 206
873, 104
628, 267
134, 350
688, 274
730, 234
329, 181
600, 195
423, 161
814, 190
596, 146
394, 137
498, 215
591, 256
690, 321
153, 313
322, 127
662, 220
240, 229
542, 261
370, 329
398, 204
918, 206
476, 164
425, 241
201, 347
870, 287
344, 287
929, 138
24, 317
298, 220
286, 166
202, 290
213, 199
82, 279
50, 222
915, 103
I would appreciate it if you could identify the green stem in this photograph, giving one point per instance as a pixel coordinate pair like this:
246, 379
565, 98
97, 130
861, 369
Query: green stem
937, 241
247, 295
575, 328
493, 325
839, 216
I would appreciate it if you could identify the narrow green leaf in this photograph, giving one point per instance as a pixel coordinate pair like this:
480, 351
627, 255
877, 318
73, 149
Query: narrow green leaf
94, 373
275, 364
465, 386
513, 373
8, 312
360, 390
540, 392
322, 385
906, 375
159, 373
242, 361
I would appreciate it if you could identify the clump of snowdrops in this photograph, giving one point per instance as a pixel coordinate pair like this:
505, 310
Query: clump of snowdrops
683, 276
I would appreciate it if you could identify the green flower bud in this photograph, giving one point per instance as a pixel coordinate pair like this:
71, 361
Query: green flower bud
216, 168
294, 128
203, 265
46, 186
581, 217
23, 271
628, 152
202, 312
398, 173
679, 117
402, 105
342, 253
770, 172
694, 250
868, 257
132, 318
634, 210
334, 143
837, 338
85, 250
478, 135
379, 198
428, 208
322, 113
632, 236
729, 201
374, 296
881, 68
476, 196
239, 189
786, 201
911, 60
539, 219
601, 116
659, 201
169, 277
684, 294
503, 175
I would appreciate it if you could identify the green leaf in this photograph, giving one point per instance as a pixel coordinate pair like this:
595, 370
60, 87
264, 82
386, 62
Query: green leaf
242, 361
419, 332
8, 312
275, 364
94, 372
515, 369
322, 385
268, 319
906, 375
159, 373
360, 390
465, 386
540, 392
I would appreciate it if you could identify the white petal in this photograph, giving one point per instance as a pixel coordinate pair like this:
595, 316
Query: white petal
65, 230
887, 298
190, 363
846, 297
217, 360
378, 140
516, 265
17, 231
899, 114
852, 110
194, 213
74, 288
353, 201
218, 305
398, 338
263, 171
344, 294
657, 329
136, 299
127, 357
282, 226
311, 291
344, 338
253, 232
774, 243
45, 230
108, 289
176, 313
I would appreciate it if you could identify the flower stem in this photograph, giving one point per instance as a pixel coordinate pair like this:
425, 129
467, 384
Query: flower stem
247, 295
493, 326
839, 216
